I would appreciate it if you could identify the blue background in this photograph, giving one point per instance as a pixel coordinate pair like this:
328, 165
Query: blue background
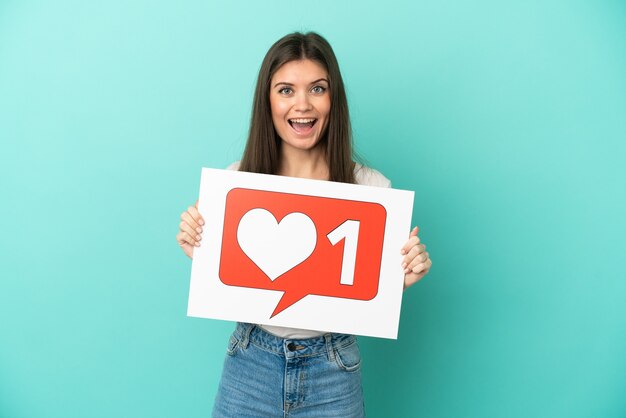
508, 119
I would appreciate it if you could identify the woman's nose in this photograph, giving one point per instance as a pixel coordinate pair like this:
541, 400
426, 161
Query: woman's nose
303, 103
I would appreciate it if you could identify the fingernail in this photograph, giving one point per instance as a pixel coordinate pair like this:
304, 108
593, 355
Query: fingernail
197, 244
406, 271
198, 237
198, 230
404, 265
201, 222
402, 252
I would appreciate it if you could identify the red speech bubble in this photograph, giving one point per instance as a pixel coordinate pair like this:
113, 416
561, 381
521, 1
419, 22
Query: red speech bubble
302, 245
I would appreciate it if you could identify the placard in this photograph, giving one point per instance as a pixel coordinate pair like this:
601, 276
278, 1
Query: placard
300, 253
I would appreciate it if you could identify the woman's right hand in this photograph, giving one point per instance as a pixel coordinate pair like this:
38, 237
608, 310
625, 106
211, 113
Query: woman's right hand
190, 232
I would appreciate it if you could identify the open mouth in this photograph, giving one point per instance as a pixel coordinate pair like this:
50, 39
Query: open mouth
302, 125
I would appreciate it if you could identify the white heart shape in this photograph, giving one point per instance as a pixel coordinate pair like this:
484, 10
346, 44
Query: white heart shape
276, 247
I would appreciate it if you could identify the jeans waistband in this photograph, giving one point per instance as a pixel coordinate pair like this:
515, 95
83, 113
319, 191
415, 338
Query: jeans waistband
324, 344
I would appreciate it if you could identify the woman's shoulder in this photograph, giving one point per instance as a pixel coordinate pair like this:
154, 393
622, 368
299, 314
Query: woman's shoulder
370, 177
234, 166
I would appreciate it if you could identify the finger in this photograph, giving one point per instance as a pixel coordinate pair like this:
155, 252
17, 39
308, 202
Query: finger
422, 268
184, 238
420, 258
413, 252
187, 218
187, 249
185, 227
413, 241
412, 278
418, 261
193, 211
412, 235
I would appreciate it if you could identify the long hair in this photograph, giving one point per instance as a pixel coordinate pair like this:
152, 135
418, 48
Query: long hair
262, 152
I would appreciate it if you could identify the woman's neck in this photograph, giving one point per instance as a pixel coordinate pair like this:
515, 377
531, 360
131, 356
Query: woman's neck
310, 164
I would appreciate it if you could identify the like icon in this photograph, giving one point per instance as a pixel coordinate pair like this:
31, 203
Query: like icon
302, 245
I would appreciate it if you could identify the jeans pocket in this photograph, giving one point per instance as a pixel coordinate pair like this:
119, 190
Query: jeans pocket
233, 344
348, 358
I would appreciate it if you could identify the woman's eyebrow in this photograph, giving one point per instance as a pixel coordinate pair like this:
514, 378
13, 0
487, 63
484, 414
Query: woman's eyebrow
291, 84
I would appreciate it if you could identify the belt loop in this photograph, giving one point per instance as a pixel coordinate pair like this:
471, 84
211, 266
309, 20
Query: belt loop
245, 338
329, 346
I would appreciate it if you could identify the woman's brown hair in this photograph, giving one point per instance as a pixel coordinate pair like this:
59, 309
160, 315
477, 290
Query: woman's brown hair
262, 153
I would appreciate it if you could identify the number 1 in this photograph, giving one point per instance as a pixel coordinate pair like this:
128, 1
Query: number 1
349, 230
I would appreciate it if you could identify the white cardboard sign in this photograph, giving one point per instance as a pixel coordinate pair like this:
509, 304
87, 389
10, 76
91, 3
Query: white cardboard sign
300, 253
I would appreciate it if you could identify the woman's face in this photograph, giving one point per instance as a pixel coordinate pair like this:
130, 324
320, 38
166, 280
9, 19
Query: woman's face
300, 103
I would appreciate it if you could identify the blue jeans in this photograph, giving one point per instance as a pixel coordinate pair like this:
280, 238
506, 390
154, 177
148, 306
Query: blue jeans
267, 376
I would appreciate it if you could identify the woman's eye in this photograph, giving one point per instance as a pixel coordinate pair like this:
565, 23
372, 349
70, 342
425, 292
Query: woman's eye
318, 89
285, 90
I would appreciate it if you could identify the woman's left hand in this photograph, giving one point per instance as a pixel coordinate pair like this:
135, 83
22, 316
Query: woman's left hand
416, 262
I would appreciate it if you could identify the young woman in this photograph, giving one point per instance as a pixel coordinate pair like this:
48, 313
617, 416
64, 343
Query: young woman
300, 127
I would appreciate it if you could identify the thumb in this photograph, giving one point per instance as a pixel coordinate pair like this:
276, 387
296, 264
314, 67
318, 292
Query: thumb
414, 232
